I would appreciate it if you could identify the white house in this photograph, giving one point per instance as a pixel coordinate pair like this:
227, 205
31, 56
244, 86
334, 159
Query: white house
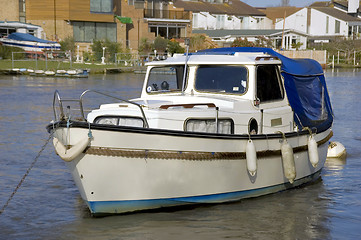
323, 23
224, 14
286, 39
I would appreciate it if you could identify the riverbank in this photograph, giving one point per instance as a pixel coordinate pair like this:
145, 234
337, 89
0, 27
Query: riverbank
7, 67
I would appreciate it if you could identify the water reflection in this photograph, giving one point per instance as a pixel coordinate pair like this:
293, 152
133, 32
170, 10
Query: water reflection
336, 164
300, 213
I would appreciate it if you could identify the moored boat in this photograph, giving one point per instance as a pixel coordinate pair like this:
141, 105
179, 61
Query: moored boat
29, 43
210, 127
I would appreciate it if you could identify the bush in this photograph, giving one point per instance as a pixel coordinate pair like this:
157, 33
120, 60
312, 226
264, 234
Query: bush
197, 42
145, 46
160, 44
174, 47
6, 52
261, 41
111, 49
68, 44
242, 42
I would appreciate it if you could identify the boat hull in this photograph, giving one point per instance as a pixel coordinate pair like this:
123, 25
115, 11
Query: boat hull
133, 169
29, 46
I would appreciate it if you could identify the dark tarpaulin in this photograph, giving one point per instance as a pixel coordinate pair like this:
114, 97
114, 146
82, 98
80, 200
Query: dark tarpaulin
304, 83
27, 37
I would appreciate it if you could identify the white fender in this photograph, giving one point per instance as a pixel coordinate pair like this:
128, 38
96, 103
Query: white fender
251, 156
289, 168
312, 151
70, 154
336, 150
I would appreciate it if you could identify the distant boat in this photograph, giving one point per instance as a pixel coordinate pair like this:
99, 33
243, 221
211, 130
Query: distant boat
49, 73
39, 72
29, 42
79, 73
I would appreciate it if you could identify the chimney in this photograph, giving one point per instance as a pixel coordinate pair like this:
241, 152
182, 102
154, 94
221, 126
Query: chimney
353, 6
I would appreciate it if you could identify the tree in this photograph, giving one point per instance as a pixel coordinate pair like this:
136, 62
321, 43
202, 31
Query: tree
174, 47
296, 45
68, 44
347, 47
263, 41
145, 47
197, 42
111, 48
160, 44
242, 42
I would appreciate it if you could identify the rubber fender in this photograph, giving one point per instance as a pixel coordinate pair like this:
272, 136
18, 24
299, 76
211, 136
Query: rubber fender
289, 168
312, 151
70, 154
251, 156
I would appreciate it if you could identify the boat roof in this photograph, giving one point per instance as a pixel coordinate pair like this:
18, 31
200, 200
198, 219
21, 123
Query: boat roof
300, 67
247, 55
215, 58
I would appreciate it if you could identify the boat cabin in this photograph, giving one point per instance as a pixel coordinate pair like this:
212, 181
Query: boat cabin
240, 93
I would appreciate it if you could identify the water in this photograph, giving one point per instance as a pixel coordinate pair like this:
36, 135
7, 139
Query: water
48, 205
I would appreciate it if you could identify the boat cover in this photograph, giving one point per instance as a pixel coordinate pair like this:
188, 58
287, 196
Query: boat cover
305, 86
27, 37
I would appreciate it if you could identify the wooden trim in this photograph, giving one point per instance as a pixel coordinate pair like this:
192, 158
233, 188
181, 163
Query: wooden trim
151, 154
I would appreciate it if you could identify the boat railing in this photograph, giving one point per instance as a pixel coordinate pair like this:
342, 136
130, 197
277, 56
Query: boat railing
62, 116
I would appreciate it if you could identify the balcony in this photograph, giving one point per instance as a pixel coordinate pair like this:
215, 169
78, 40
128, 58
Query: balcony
166, 14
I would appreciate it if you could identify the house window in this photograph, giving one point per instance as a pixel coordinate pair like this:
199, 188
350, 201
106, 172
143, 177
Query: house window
327, 20
101, 6
88, 31
337, 26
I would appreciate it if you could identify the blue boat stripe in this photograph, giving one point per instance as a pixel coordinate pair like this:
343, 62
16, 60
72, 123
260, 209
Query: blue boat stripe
31, 46
98, 207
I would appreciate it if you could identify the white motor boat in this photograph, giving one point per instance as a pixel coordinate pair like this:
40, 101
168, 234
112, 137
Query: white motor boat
215, 126
29, 43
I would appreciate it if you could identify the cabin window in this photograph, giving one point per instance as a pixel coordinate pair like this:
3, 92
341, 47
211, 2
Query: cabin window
165, 79
120, 121
225, 126
269, 86
221, 79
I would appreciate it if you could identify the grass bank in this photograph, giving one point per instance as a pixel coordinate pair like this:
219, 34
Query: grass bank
55, 65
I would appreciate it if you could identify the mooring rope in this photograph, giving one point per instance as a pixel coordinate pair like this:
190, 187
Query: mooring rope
26, 174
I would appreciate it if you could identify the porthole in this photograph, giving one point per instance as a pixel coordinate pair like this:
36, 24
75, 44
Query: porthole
252, 126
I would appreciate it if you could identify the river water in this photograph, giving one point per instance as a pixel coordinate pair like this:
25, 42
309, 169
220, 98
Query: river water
48, 205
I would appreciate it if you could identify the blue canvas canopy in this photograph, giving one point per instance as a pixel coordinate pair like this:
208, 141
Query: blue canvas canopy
304, 83
27, 37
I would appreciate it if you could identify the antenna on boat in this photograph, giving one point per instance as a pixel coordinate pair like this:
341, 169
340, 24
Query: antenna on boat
186, 42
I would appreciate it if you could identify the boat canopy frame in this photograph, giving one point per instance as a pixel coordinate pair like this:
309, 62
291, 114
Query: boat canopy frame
305, 86
61, 116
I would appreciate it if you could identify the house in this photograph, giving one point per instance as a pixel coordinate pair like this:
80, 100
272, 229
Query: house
277, 14
224, 14
324, 22
286, 39
123, 21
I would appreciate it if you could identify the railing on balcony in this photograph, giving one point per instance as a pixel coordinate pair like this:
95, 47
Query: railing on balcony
166, 14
